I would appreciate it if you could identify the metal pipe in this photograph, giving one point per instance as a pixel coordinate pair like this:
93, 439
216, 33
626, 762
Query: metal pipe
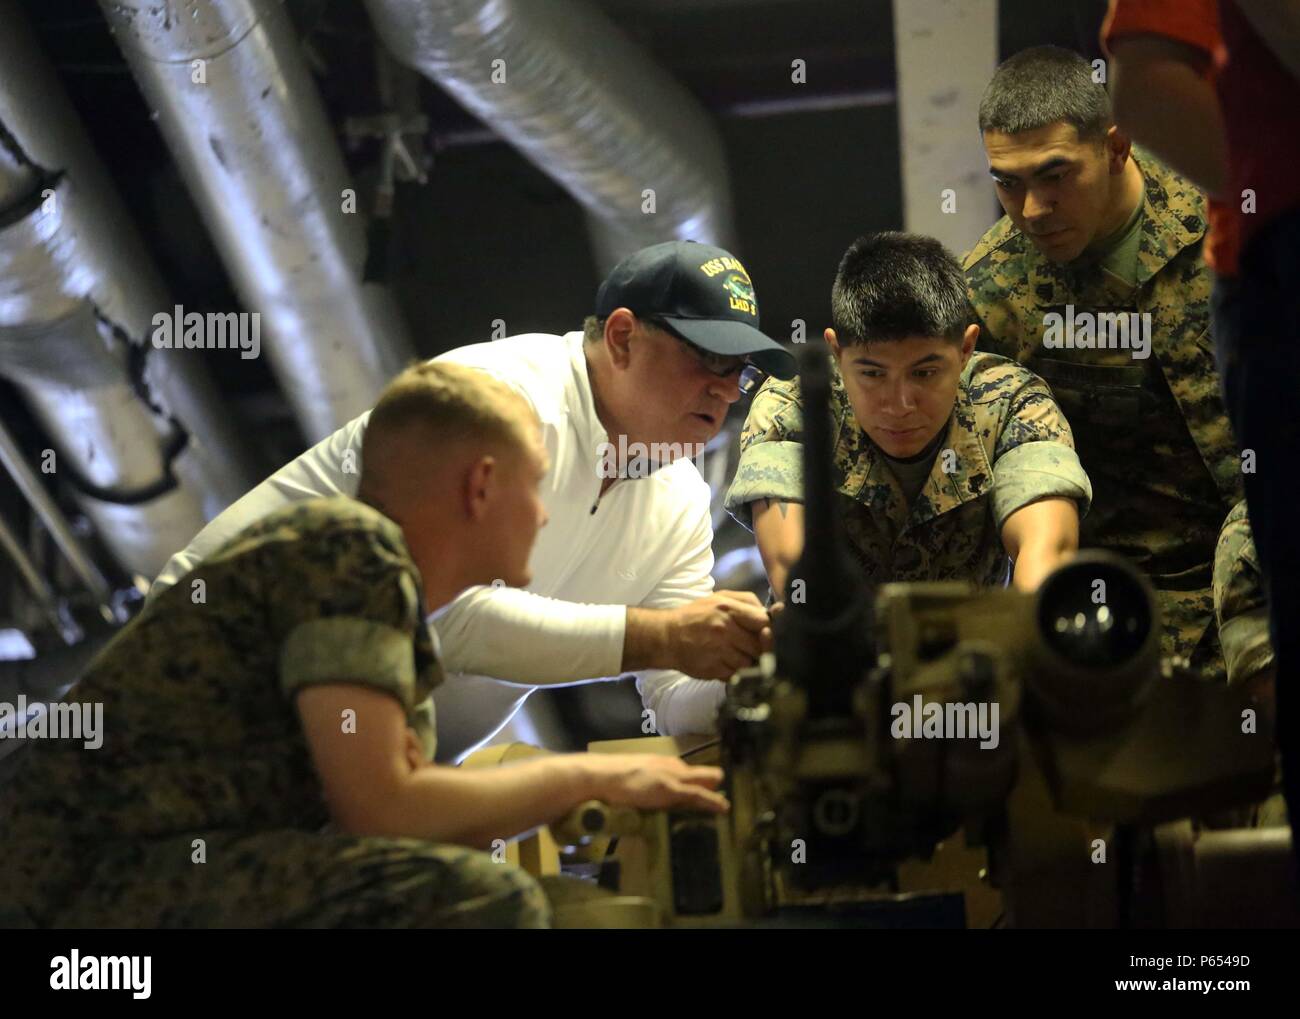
101, 257
151, 451
31, 488
563, 85
36, 584
242, 116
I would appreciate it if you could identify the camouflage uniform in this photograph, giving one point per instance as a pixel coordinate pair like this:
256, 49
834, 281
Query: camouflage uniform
1239, 603
1151, 433
1241, 609
1006, 446
201, 740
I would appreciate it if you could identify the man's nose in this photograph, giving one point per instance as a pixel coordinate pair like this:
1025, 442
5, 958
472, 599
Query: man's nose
1036, 206
726, 388
900, 399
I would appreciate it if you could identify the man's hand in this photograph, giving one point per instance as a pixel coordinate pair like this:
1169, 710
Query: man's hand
376, 783
709, 638
653, 782
713, 637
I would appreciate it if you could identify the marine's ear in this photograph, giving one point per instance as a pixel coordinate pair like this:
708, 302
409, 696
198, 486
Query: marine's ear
478, 486
1118, 146
968, 339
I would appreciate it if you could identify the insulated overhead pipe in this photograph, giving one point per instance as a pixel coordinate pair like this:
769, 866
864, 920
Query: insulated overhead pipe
562, 84
150, 450
239, 110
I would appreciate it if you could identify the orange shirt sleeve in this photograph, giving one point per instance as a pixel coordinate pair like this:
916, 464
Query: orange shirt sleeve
1193, 22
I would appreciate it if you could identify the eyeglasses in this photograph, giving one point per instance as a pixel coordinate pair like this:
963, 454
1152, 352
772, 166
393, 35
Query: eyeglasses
721, 365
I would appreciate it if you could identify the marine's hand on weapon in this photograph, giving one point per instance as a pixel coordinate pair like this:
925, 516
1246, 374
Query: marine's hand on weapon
709, 638
651, 782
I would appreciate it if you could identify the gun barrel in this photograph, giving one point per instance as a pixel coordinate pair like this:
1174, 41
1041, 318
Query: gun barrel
824, 637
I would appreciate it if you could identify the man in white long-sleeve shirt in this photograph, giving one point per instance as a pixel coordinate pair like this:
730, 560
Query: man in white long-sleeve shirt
621, 576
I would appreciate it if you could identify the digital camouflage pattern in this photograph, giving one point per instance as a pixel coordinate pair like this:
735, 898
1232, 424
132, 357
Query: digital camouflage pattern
291, 878
1007, 445
1239, 602
201, 740
1241, 609
1152, 434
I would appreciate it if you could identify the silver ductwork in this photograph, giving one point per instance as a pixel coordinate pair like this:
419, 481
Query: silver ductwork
242, 116
143, 436
563, 85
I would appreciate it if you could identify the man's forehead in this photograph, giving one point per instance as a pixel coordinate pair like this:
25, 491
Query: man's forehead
1031, 148
900, 353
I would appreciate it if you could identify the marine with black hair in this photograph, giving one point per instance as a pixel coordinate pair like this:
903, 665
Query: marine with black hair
1096, 226
949, 465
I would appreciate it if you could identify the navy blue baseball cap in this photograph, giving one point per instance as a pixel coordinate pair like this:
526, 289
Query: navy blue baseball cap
702, 293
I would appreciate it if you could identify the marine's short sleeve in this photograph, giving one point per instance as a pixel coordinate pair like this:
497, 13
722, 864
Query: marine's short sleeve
1034, 455
1239, 603
771, 451
345, 605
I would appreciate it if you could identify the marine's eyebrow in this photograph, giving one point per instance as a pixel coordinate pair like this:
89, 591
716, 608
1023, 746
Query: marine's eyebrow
864, 360
1045, 167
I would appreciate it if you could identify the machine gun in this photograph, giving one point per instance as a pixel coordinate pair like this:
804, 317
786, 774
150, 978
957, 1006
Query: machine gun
1044, 727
